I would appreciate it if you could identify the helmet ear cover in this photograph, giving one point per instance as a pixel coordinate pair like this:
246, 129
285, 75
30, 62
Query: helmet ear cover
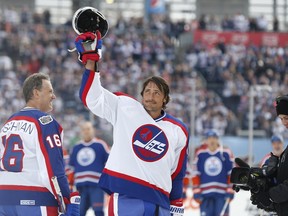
89, 19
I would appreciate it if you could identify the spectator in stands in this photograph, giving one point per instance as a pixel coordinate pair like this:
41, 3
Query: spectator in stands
213, 24
46, 17
275, 24
24, 15
240, 23
202, 22
252, 24
227, 24
262, 23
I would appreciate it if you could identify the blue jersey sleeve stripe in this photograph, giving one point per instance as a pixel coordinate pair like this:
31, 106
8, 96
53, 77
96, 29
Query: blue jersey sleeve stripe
42, 146
178, 123
183, 155
87, 79
46, 156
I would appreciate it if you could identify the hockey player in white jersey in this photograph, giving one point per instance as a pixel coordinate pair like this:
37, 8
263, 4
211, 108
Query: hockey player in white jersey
31, 154
145, 170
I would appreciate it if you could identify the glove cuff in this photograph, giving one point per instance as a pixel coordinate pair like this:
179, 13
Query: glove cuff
75, 198
93, 55
178, 202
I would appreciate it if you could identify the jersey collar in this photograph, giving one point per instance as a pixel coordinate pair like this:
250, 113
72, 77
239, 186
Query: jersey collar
163, 114
28, 108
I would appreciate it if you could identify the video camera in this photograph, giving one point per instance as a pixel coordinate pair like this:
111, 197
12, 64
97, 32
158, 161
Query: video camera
249, 178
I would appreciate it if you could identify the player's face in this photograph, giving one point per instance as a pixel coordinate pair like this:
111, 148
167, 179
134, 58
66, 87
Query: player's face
87, 132
213, 143
153, 98
284, 120
46, 96
277, 148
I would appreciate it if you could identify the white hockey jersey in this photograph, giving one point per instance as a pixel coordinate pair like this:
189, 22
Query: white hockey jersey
148, 157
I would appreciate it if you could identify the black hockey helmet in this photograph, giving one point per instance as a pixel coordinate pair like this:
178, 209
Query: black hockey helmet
281, 105
89, 19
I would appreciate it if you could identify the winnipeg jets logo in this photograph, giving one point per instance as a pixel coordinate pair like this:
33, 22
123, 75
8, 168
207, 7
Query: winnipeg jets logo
149, 143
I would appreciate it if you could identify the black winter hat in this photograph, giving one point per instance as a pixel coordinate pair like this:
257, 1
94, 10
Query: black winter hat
281, 104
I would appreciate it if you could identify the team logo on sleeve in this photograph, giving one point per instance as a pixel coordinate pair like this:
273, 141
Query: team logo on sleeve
149, 143
213, 166
44, 120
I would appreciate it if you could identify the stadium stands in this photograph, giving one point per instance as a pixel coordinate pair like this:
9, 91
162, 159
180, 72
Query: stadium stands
133, 50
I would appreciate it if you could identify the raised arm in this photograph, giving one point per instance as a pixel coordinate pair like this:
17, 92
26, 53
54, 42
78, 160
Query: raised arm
97, 99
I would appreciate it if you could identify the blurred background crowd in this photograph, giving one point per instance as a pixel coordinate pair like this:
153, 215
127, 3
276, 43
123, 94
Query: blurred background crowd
218, 76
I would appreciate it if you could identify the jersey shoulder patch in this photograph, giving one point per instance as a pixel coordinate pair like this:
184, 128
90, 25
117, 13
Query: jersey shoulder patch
44, 120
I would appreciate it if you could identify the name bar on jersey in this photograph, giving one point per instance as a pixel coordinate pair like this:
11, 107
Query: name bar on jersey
16, 126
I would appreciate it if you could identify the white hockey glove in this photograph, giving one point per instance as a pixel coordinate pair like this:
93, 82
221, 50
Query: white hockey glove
176, 210
73, 206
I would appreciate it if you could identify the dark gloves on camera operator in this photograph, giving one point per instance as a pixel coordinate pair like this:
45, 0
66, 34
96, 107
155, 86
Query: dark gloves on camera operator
262, 200
269, 169
270, 199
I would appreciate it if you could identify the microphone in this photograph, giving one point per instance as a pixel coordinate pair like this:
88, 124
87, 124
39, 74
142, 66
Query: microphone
241, 163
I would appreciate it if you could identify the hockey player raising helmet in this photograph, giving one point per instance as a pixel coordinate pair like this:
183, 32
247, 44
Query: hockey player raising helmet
145, 170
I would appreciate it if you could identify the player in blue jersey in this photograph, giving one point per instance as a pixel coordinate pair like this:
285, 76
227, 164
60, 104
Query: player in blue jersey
146, 166
277, 143
87, 161
31, 154
211, 177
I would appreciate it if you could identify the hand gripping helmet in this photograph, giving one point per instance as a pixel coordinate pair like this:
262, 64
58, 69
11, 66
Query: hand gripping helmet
89, 19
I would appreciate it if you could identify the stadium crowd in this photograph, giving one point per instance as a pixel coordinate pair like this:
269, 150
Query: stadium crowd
134, 49
238, 22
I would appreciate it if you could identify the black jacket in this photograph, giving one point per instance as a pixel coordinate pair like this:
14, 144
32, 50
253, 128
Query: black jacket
279, 193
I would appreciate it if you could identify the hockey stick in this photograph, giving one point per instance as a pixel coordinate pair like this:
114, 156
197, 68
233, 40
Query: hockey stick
62, 206
224, 207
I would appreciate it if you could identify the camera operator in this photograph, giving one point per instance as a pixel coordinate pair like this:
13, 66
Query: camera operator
276, 197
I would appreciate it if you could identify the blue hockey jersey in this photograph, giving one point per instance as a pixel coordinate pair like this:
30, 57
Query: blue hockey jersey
211, 172
88, 160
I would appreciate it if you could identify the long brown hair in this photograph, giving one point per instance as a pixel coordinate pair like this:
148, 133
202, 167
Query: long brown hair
161, 84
